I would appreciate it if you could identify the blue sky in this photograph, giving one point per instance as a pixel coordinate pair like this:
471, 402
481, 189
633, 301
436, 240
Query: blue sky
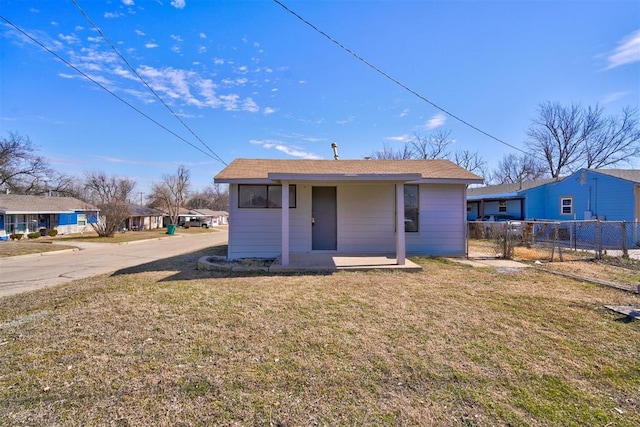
251, 80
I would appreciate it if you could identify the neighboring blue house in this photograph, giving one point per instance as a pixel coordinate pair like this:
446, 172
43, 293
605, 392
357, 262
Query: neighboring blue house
502, 199
606, 194
29, 214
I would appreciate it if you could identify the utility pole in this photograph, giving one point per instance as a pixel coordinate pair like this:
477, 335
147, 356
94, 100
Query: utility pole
141, 193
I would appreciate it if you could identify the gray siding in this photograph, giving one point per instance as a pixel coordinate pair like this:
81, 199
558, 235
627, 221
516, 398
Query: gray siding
366, 222
442, 222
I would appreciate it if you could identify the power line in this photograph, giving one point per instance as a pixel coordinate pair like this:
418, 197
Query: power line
143, 80
394, 80
33, 39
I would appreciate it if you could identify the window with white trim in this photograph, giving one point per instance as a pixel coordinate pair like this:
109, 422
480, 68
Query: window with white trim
82, 220
566, 205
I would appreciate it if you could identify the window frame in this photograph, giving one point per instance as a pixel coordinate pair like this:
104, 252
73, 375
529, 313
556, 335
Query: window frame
415, 218
562, 205
269, 202
502, 206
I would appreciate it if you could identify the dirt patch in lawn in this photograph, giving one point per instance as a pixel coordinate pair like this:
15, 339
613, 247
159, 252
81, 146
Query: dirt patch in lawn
451, 345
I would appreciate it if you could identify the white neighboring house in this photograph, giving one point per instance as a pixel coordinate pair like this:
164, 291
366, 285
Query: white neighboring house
213, 218
346, 206
143, 218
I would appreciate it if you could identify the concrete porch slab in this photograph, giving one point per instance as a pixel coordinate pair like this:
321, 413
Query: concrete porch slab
336, 262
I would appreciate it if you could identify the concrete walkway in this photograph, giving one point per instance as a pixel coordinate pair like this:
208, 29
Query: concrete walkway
335, 262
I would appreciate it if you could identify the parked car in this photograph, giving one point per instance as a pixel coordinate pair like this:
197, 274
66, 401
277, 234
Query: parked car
194, 222
499, 218
514, 224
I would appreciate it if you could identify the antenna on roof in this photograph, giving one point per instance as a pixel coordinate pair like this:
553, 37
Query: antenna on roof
335, 150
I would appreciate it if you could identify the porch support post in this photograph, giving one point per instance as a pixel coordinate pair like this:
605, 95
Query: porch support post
400, 240
285, 223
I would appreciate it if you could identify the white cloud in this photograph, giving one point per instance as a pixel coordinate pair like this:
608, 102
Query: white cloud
177, 38
435, 122
140, 33
128, 2
284, 148
346, 121
405, 112
94, 39
70, 39
250, 106
612, 97
34, 10
218, 61
269, 110
243, 70
202, 49
399, 138
178, 4
112, 15
627, 52
240, 81
202, 35
151, 45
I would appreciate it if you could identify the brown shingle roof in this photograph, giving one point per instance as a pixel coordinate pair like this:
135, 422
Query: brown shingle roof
248, 169
507, 188
42, 204
632, 175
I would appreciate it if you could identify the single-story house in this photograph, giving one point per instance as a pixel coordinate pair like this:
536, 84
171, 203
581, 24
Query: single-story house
29, 214
605, 194
213, 218
502, 199
143, 218
184, 216
414, 207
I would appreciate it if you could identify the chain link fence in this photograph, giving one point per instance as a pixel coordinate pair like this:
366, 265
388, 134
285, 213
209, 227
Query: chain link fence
554, 240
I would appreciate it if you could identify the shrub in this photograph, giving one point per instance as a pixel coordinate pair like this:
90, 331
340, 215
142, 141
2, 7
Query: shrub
34, 235
16, 236
52, 233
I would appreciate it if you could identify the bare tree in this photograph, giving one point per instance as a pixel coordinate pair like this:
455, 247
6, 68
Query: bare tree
513, 168
172, 193
388, 153
471, 161
571, 137
21, 169
110, 194
214, 197
616, 140
434, 146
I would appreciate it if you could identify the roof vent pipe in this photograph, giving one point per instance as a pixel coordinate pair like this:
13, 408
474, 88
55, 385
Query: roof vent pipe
335, 150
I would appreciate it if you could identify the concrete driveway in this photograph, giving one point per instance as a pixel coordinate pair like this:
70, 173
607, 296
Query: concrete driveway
25, 273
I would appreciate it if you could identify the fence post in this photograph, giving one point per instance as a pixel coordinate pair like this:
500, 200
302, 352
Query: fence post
625, 249
598, 239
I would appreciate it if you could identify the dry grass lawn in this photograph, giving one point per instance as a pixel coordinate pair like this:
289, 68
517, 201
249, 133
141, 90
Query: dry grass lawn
45, 244
452, 345
27, 247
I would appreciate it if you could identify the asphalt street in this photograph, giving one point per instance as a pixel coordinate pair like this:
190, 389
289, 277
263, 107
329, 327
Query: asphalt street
25, 273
